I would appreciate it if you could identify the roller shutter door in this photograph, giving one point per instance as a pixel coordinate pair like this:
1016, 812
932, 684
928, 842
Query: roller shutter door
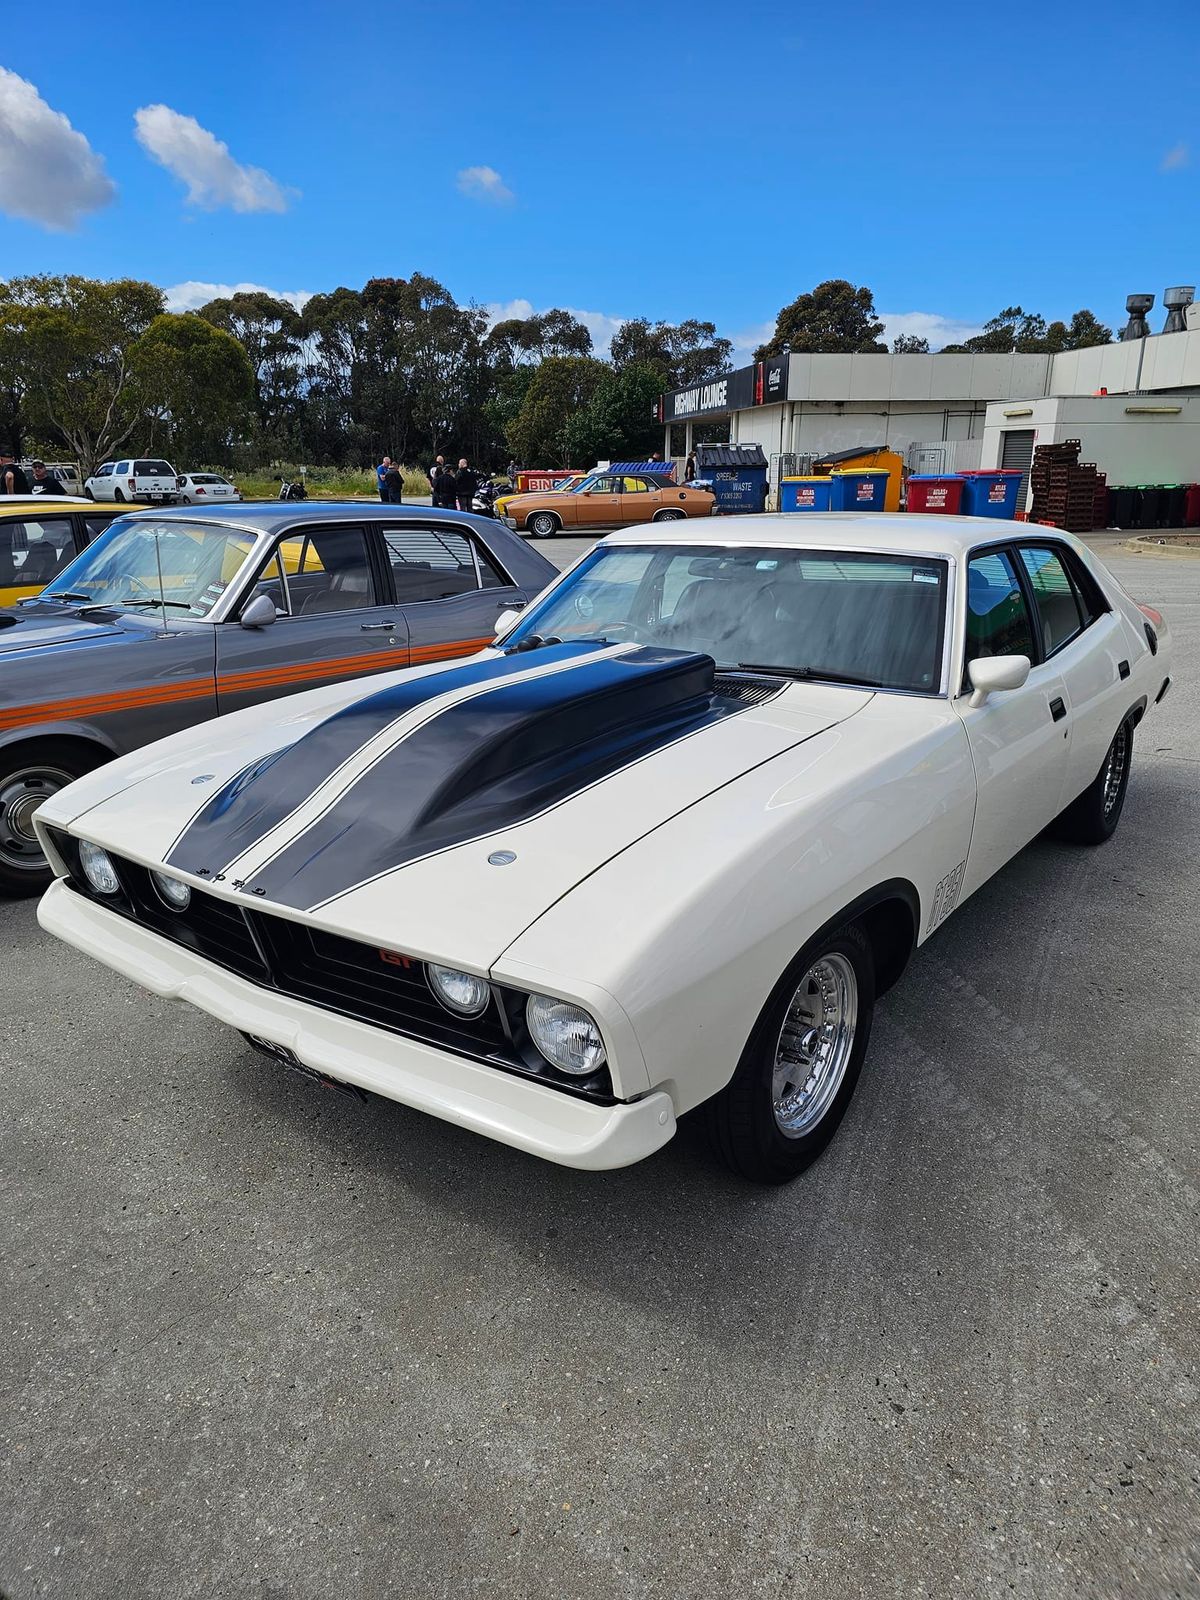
1016, 450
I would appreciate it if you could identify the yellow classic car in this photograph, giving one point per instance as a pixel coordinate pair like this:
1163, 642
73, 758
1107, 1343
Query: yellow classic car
607, 500
39, 535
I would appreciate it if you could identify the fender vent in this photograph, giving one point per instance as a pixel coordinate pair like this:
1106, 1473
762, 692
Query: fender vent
750, 691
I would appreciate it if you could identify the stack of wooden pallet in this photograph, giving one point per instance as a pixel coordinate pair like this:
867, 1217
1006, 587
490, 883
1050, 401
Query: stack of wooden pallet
1067, 493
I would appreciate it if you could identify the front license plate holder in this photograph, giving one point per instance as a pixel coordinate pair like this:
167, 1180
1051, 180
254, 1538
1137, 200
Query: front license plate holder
291, 1062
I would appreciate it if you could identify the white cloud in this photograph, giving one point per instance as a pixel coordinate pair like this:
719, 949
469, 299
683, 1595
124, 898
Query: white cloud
929, 325
193, 294
202, 161
748, 340
49, 173
485, 183
1177, 156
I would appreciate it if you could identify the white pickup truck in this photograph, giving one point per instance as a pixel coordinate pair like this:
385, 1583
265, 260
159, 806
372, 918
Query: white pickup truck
147, 479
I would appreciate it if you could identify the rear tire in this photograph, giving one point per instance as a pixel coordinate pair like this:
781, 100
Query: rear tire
118, 496
1094, 816
668, 516
30, 774
799, 1069
543, 524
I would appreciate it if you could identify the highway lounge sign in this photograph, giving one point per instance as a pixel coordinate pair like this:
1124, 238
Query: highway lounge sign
712, 396
763, 384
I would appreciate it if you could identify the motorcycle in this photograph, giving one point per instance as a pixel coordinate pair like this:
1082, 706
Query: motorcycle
484, 501
292, 491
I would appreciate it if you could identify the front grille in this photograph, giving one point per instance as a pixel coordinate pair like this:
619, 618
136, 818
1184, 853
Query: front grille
381, 987
372, 984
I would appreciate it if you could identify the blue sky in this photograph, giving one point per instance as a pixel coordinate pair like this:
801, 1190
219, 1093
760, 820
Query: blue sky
668, 161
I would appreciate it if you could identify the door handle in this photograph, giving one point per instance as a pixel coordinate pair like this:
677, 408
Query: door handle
1057, 710
510, 605
376, 627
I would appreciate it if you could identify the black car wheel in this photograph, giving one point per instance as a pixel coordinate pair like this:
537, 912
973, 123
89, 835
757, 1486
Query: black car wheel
801, 1063
117, 495
29, 775
1093, 817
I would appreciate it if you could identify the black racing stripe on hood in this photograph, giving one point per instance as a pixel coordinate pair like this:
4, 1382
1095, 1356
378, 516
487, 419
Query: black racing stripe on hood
487, 763
245, 809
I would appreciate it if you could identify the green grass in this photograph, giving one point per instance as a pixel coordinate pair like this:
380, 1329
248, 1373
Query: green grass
324, 483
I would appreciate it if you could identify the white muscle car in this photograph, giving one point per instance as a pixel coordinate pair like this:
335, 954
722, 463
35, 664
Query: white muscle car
665, 843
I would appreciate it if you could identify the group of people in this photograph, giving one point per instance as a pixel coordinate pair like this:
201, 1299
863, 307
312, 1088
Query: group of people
13, 479
454, 489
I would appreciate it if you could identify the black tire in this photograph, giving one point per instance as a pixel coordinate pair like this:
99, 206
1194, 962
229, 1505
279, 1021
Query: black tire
743, 1123
87, 493
1093, 817
29, 774
118, 496
668, 516
543, 524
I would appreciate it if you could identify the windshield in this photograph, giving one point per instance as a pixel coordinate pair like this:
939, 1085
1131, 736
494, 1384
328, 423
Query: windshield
838, 615
196, 562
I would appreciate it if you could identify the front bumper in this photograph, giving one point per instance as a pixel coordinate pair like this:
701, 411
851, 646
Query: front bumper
541, 1121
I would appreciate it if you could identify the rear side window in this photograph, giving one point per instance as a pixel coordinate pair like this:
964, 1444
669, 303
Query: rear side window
998, 622
122, 467
1054, 596
436, 564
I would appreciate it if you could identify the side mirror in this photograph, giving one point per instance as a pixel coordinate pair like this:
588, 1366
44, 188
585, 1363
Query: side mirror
991, 674
505, 620
260, 613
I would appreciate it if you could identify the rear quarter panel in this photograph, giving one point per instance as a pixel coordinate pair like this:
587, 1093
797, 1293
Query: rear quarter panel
690, 928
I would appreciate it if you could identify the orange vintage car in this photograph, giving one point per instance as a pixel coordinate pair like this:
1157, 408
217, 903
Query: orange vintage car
606, 500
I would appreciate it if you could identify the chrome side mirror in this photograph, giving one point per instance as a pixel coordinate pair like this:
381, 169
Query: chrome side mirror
260, 613
992, 674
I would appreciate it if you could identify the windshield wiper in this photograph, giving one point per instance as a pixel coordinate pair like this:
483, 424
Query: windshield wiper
810, 672
130, 601
59, 594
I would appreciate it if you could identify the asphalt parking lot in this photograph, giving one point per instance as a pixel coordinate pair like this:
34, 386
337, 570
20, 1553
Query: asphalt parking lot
261, 1340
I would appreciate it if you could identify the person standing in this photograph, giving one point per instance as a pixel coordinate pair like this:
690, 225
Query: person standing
465, 485
12, 479
444, 487
381, 472
45, 481
435, 472
393, 485
689, 468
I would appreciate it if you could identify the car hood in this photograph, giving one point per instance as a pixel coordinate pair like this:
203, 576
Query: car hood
34, 626
441, 814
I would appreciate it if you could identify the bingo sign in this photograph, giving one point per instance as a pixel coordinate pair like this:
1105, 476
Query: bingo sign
540, 482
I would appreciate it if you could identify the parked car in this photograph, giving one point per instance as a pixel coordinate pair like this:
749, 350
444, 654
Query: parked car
606, 500
205, 488
172, 617
664, 845
147, 479
39, 535
564, 486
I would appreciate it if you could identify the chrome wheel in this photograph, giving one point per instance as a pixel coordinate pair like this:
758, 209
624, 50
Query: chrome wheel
1115, 764
544, 525
669, 516
21, 793
814, 1045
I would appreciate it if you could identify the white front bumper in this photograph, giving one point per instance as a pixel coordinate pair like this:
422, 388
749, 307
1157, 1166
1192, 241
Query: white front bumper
515, 1111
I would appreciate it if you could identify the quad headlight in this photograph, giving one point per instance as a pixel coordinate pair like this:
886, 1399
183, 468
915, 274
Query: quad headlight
460, 992
173, 891
565, 1034
98, 868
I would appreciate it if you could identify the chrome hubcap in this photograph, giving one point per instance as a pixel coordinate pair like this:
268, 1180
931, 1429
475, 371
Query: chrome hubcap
814, 1045
21, 793
1114, 769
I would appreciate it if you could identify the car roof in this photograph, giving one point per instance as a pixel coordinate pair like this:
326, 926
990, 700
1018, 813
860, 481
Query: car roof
895, 533
22, 502
269, 516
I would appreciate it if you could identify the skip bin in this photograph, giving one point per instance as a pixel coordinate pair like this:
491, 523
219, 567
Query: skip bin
991, 494
1191, 516
861, 490
932, 493
735, 473
805, 494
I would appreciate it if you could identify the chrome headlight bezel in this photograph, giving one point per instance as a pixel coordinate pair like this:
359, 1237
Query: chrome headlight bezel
546, 1013
173, 892
97, 867
441, 979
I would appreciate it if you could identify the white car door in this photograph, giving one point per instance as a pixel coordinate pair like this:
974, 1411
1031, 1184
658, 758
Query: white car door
1089, 647
1019, 738
101, 482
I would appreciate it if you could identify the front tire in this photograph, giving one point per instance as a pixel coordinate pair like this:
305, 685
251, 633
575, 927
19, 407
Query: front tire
1094, 816
543, 524
799, 1069
87, 493
30, 774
